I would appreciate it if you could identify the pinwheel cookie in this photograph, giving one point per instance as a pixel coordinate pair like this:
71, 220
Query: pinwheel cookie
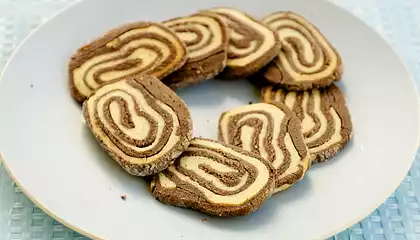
272, 131
251, 46
129, 50
307, 59
141, 123
206, 38
216, 179
326, 123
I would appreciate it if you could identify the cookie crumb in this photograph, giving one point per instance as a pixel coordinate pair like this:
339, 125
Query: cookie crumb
124, 197
204, 220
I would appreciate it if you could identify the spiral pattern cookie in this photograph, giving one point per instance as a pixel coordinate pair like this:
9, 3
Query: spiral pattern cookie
141, 123
326, 122
132, 49
216, 179
252, 45
272, 131
206, 38
307, 59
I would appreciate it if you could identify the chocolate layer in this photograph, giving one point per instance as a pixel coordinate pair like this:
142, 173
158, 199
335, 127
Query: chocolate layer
272, 131
326, 122
141, 123
129, 50
216, 179
307, 60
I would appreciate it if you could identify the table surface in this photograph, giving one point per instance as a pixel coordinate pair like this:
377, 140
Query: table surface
398, 21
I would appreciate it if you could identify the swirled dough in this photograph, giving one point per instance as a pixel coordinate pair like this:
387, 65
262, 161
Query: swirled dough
251, 46
307, 59
206, 37
326, 123
272, 131
216, 179
140, 122
130, 50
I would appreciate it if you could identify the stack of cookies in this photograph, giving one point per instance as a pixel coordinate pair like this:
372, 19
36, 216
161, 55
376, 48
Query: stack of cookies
125, 81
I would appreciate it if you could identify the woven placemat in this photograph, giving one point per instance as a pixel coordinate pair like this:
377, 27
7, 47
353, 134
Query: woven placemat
397, 219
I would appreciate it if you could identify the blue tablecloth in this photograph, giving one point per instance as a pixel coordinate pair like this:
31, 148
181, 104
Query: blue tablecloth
397, 219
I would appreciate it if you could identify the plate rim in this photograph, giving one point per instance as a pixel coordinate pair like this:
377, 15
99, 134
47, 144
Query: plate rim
341, 228
3, 161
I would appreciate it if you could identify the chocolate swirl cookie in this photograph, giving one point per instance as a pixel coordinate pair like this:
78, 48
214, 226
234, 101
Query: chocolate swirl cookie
206, 38
141, 123
326, 122
272, 131
252, 45
129, 50
216, 179
307, 60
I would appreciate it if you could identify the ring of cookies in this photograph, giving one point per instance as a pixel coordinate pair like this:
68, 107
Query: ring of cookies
126, 81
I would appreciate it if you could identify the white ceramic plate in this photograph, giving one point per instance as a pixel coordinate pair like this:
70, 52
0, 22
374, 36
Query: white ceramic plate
50, 153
